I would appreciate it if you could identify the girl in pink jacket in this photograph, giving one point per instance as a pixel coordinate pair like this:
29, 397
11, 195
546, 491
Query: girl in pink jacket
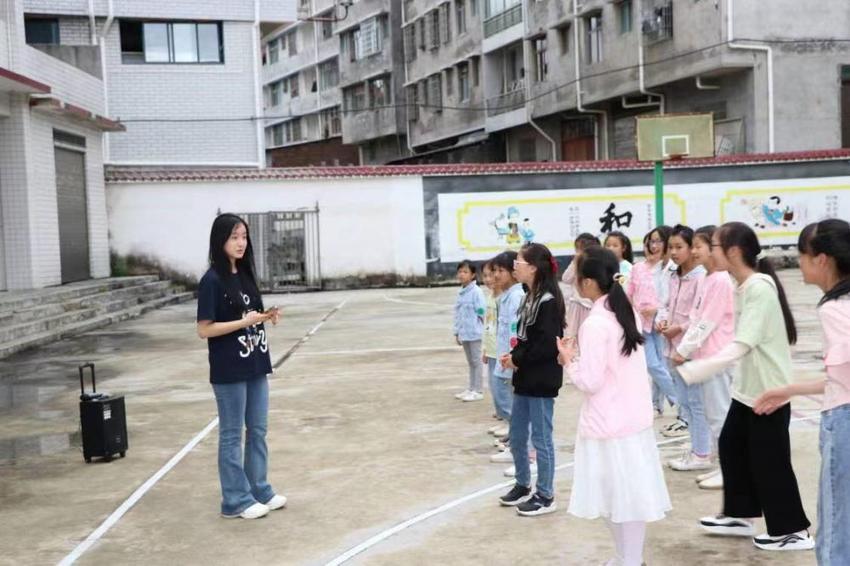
617, 474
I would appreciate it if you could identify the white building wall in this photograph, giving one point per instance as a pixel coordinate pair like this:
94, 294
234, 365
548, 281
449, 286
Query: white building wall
270, 10
366, 226
67, 82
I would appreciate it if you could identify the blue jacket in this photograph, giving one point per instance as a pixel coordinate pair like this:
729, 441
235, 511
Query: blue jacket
509, 303
469, 313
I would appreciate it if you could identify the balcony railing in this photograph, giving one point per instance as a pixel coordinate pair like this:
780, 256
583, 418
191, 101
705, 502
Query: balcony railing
508, 101
502, 21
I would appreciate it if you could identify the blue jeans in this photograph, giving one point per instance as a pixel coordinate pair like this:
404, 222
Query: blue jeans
692, 411
833, 545
244, 404
656, 364
536, 411
501, 390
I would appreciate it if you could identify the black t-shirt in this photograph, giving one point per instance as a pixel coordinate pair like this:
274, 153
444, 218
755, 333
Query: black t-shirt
240, 355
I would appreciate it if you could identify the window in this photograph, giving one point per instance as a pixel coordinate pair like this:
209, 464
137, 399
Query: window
433, 29
292, 41
274, 51
292, 131
354, 97
541, 66
276, 93
460, 16
449, 82
331, 124
435, 93
371, 37
173, 42
379, 92
445, 29
412, 103
350, 43
410, 43
329, 73
293, 85
473, 4
474, 69
564, 39
422, 92
277, 134
327, 25
624, 11
593, 38
41, 31
463, 81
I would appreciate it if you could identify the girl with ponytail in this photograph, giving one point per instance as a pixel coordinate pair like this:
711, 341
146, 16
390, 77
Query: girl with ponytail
537, 377
825, 261
617, 473
755, 449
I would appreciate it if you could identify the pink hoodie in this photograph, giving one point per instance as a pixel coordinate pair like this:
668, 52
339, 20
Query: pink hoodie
641, 290
712, 320
683, 297
617, 395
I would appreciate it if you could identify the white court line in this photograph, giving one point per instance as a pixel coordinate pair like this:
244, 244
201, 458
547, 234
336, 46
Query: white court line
145, 487
382, 350
382, 536
421, 303
135, 497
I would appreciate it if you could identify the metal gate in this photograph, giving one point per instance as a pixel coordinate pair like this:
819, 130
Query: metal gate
286, 249
73, 214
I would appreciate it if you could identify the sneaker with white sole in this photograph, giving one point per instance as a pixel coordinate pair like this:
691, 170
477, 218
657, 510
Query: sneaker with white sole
492, 430
518, 494
472, 396
255, 511
727, 526
511, 472
714, 482
691, 462
276, 502
504, 457
502, 431
462, 394
537, 505
676, 429
795, 541
706, 475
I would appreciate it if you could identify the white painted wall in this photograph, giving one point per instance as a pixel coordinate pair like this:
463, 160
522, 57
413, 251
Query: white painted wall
367, 226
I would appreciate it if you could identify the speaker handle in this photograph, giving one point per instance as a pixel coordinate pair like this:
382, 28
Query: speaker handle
90, 366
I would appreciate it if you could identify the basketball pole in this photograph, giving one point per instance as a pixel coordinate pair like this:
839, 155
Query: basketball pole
659, 193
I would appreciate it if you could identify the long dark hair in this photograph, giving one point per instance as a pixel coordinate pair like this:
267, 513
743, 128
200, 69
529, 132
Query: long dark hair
687, 234
831, 238
546, 276
628, 254
664, 232
738, 234
222, 228
601, 265
586, 239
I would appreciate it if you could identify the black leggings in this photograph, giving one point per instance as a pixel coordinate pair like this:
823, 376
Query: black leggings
755, 456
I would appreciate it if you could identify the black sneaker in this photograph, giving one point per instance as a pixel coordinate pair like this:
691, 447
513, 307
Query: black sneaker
537, 505
794, 541
518, 494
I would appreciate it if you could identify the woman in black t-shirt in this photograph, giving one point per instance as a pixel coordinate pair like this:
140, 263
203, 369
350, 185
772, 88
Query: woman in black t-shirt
231, 318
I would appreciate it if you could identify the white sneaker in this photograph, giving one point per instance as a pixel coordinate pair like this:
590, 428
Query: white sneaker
714, 482
795, 541
710, 474
511, 472
676, 429
255, 511
690, 463
727, 526
472, 396
462, 394
276, 502
503, 430
504, 457
492, 430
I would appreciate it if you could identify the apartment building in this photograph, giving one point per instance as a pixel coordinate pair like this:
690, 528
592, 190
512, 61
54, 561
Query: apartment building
564, 79
182, 77
333, 85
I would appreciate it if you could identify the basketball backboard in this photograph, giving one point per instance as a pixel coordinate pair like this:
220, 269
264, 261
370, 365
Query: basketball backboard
662, 137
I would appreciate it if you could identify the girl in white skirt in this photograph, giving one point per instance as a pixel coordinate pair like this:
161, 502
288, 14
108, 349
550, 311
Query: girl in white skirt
618, 474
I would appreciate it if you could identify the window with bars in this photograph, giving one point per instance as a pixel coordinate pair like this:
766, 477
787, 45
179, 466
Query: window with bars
293, 85
327, 25
409, 35
422, 33
379, 92
460, 16
449, 82
463, 81
541, 65
435, 93
445, 28
354, 98
329, 73
412, 103
593, 37
433, 29
371, 37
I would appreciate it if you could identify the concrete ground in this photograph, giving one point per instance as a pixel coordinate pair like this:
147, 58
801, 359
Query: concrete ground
364, 436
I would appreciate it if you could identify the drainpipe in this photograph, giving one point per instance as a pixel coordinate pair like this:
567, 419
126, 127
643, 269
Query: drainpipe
768, 51
528, 85
258, 92
406, 79
579, 106
101, 41
642, 75
92, 23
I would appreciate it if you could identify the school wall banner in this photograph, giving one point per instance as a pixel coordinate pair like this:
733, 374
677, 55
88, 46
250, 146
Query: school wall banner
478, 225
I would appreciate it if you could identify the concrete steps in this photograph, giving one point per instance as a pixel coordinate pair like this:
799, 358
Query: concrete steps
38, 317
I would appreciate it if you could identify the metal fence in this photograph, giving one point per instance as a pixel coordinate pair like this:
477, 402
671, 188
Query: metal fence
286, 249
502, 21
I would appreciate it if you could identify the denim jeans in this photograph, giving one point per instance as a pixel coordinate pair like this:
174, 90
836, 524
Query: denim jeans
833, 544
244, 404
536, 411
656, 364
692, 411
501, 390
